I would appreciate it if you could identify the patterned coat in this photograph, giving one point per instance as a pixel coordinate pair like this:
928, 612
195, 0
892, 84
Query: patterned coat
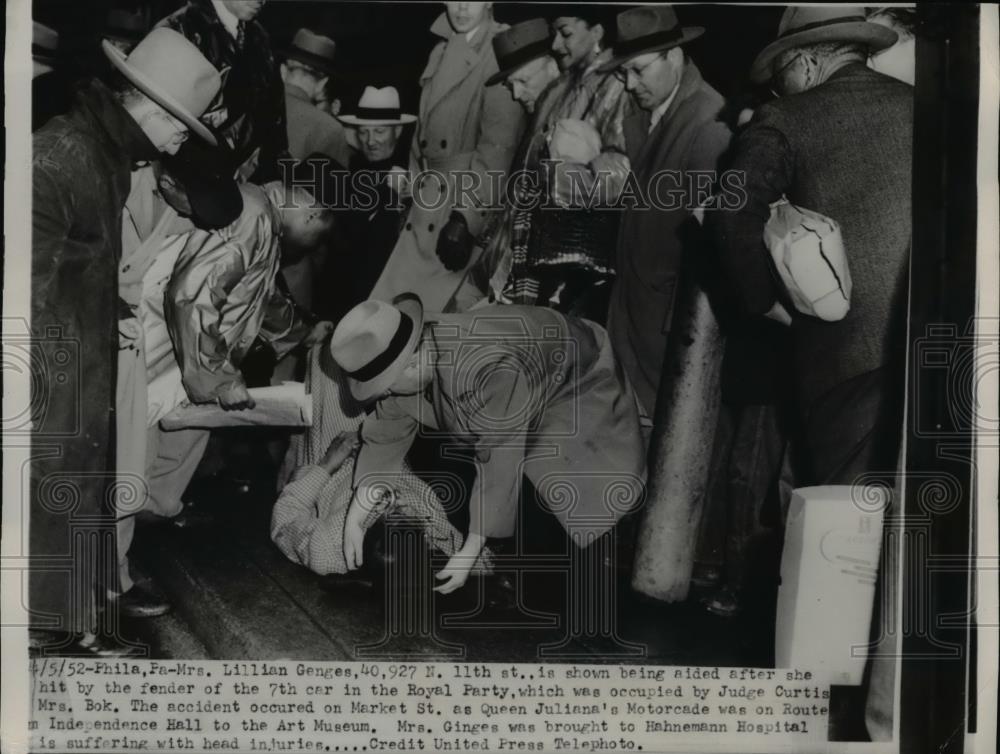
463, 126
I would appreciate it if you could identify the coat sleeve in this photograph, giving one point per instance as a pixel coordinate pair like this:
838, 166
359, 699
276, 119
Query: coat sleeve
285, 323
300, 529
500, 450
197, 316
764, 161
499, 133
51, 217
386, 435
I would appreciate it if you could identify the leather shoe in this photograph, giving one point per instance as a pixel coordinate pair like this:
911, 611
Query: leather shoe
143, 600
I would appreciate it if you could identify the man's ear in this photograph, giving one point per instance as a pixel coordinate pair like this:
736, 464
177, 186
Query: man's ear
321, 84
397, 131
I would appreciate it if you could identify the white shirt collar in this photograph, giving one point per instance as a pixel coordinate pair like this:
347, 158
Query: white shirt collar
230, 21
657, 114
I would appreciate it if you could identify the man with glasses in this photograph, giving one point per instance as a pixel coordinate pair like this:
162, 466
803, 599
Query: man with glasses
673, 132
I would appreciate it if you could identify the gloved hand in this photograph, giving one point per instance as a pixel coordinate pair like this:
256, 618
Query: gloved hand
454, 246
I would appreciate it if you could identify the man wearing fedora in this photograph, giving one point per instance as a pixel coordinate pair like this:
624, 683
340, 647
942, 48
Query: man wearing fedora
673, 129
526, 65
837, 141
372, 197
249, 114
532, 392
81, 165
305, 71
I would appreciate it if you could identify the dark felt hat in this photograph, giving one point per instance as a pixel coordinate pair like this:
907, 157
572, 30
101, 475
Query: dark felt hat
649, 28
313, 49
520, 44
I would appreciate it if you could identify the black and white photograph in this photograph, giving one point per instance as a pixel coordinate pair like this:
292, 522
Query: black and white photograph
498, 376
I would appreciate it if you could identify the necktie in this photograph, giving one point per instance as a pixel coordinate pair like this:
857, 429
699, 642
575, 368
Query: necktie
241, 33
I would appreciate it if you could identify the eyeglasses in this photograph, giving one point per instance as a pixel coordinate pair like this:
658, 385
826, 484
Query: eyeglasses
776, 77
622, 73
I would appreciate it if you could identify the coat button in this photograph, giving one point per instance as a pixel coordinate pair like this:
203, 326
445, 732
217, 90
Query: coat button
444, 143
409, 226
430, 228
423, 143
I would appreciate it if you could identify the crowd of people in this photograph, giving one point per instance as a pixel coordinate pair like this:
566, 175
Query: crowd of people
508, 283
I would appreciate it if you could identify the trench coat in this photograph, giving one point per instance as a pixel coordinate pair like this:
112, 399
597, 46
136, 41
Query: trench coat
463, 125
81, 165
535, 393
689, 137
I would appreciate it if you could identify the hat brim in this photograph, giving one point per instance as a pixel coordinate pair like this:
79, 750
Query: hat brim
688, 33
535, 51
325, 65
352, 120
150, 89
410, 305
875, 36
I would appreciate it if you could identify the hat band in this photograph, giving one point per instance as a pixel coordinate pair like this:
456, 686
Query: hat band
649, 40
821, 24
380, 363
525, 54
378, 113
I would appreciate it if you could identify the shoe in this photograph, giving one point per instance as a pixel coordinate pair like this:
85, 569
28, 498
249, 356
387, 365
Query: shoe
194, 516
63, 644
143, 600
704, 575
724, 603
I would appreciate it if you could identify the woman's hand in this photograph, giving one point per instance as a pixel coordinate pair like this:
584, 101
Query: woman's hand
341, 448
456, 573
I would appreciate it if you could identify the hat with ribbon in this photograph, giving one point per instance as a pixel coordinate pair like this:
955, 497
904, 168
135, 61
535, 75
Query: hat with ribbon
313, 49
378, 107
172, 72
375, 340
648, 28
518, 45
45, 47
810, 24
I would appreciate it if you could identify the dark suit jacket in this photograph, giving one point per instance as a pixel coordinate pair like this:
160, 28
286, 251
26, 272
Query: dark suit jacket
842, 149
689, 137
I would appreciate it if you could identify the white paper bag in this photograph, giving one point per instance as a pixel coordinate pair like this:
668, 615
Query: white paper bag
808, 252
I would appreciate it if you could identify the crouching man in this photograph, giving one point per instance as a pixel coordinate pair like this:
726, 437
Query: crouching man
535, 393
205, 301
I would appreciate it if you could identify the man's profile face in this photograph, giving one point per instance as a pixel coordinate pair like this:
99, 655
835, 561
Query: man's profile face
164, 131
528, 81
244, 10
305, 224
378, 142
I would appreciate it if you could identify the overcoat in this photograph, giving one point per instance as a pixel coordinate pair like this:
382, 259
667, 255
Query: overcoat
463, 125
311, 130
81, 163
535, 393
689, 137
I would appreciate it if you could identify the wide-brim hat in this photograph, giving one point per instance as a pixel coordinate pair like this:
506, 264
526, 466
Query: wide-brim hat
519, 45
45, 46
378, 107
808, 24
208, 177
172, 72
374, 341
315, 50
648, 28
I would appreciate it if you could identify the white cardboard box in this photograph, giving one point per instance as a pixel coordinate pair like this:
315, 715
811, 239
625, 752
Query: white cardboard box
828, 567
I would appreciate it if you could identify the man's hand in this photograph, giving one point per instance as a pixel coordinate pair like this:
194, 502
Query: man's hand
320, 331
342, 447
236, 398
454, 575
354, 534
399, 181
454, 246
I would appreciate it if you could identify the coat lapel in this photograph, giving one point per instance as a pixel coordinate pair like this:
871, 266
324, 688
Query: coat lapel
665, 130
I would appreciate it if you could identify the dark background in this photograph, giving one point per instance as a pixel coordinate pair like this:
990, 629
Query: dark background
383, 43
